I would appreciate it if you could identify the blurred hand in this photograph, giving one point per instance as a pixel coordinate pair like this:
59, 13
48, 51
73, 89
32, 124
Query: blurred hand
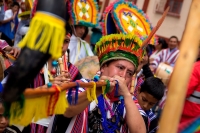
15, 52
14, 15
62, 78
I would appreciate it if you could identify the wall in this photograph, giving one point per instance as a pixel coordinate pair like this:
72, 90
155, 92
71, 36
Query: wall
171, 25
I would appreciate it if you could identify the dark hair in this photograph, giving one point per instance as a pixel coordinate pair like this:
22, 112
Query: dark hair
86, 31
162, 42
68, 28
153, 86
174, 37
15, 4
149, 49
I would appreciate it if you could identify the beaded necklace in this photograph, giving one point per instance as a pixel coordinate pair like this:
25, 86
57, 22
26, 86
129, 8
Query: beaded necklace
110, 126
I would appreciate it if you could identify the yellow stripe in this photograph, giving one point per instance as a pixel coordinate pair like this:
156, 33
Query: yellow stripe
50, 18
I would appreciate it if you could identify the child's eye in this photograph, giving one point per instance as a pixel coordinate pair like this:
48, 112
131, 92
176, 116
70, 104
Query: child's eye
144, 99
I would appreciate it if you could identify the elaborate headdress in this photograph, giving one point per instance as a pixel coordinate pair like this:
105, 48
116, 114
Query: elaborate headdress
119, 46
83, 12
125, 17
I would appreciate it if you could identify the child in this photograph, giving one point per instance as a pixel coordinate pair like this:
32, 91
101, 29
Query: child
150, 93
4, 128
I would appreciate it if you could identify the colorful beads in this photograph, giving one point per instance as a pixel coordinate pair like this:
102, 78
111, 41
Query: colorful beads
49, 85
54, 63
53, 71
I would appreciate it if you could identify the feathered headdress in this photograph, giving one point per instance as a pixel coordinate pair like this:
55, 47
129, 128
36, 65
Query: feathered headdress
119, 46
83, 12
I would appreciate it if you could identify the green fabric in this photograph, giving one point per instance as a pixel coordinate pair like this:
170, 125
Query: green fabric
119, 55
107, 87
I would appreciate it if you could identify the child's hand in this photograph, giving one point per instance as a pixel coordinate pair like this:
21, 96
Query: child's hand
14, 15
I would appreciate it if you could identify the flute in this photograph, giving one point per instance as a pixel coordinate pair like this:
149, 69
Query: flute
44, 90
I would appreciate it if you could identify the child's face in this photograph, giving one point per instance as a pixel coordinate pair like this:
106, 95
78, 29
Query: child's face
3, 120
15, 8
146, 100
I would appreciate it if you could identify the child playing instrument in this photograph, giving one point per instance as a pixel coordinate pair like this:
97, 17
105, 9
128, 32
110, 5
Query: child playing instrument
150, 93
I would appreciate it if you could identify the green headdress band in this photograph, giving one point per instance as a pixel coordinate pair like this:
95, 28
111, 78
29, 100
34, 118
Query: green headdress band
119, 46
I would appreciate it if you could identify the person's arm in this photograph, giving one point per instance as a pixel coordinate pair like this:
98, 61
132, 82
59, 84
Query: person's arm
157, 60
7, 20
83, 102
134, 120
81, 105
8, 17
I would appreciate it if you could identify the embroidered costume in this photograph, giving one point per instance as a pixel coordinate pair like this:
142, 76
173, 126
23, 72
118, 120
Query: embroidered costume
166, 55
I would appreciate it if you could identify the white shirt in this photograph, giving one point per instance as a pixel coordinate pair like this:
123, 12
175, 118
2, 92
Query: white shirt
79, 49
8, 14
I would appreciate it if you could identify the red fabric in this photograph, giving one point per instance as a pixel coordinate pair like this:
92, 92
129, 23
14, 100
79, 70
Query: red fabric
192, 110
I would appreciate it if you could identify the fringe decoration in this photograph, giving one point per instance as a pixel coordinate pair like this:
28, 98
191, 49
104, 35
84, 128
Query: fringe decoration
69, 97
29, 112
35, 109
88, 91
93, 93
46, 34
107, 88
76, 93
62, 103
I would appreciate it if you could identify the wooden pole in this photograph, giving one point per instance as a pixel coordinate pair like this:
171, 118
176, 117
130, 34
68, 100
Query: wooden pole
178, 84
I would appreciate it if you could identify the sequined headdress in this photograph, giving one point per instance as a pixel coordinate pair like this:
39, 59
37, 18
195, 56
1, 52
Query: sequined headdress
125, 17
83, 12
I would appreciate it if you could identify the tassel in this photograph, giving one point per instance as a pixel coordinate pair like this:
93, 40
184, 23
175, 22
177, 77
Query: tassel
116, 88
88, 91
62, 103
93, 93
41, 112
69, 97
107, 87
50, 32
76, 93
30, 112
